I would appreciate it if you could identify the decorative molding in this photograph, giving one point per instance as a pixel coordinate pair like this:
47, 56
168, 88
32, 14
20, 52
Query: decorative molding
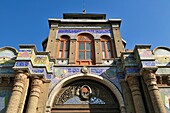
163, 71
6, 71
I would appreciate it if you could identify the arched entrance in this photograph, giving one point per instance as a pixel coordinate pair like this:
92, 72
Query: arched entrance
85, 94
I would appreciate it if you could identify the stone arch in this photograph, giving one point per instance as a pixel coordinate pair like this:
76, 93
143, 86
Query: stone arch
84, 32
72, 78
106, 36
63, 36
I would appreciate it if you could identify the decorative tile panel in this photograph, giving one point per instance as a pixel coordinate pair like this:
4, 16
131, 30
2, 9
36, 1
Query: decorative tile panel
132, 70
119, 67
40, 60
165, 94
61, 72
98, 71
129, 60
109, 73
94, 31
4, 99
7, 57
162, 61
24, 54
145, 54
21, 64
6, 52
37, 63
148, 64
6, 62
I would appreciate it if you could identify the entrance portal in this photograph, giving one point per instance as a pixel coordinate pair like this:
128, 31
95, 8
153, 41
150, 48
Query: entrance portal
85, 96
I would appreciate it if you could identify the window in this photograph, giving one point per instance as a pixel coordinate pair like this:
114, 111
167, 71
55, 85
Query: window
63, 47
106, 47
85, 49
85, 52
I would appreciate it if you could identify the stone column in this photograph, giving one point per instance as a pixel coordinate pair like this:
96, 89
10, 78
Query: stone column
136, 94
16, 95
150, 80
127, 97
34, 95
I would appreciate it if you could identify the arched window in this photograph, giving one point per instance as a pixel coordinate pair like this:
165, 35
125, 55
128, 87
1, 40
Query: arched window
106, 47
63, 47
85, 49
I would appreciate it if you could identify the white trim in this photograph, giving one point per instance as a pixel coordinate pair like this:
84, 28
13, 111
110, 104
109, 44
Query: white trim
81, 20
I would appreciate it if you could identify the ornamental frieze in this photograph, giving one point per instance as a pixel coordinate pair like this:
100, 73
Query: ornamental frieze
94, 31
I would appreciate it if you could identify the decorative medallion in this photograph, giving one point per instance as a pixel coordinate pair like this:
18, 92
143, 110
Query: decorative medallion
84, 70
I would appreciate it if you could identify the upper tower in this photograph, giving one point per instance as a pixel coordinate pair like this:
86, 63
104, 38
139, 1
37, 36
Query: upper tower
84, 39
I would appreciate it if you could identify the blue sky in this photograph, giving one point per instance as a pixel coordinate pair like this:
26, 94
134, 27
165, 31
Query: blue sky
143, 21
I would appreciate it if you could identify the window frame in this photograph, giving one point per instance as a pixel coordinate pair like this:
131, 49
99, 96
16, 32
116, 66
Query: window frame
90, 40
107, 47
63, 40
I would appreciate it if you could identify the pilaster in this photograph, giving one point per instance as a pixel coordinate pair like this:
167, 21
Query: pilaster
51, 44
98, 54
118, 41
72, 52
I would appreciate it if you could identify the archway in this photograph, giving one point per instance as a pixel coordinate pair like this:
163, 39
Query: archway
85, 93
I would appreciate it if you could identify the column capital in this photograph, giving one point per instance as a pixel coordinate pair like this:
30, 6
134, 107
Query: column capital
132, 80
20, 82
134, 85
37, 82
20, 79
150, 79
36, 87
21, 76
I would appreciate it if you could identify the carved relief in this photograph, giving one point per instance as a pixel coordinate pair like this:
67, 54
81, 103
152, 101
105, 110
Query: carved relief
85, 92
